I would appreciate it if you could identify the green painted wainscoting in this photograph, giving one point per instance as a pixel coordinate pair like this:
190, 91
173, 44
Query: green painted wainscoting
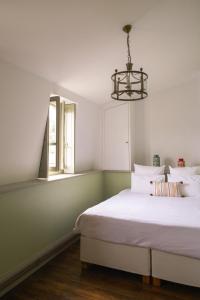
115, 181
34, 218
37, 216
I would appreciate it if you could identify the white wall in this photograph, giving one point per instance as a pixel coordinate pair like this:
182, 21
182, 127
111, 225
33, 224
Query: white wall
24, 100
168, 124
140, 132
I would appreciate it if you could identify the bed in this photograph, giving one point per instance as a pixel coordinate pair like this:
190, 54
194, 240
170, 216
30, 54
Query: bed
158, 236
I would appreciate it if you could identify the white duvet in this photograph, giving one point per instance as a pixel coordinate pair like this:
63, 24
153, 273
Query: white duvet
163, 223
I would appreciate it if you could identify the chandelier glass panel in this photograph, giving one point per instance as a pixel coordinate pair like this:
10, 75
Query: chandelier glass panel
129, 85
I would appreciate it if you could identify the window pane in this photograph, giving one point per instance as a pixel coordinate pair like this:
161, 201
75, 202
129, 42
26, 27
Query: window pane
52, 122
69, 138
69, 129
68, 157
52, 134
52, 156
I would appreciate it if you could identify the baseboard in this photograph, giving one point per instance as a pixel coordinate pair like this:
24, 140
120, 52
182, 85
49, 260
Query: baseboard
11, 279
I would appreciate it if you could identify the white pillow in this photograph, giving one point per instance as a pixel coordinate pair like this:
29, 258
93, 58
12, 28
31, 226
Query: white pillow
148, 170
190, 186
142, 184
182, 171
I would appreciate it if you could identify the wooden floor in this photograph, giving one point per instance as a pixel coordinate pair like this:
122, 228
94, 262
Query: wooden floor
62, 279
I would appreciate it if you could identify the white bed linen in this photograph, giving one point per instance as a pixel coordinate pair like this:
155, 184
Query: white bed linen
165, 223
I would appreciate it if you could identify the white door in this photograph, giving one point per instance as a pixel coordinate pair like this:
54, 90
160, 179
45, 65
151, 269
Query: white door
116, 138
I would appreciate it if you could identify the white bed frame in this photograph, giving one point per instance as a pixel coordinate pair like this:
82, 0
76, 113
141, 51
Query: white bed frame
175, 268
135, 259
143, 261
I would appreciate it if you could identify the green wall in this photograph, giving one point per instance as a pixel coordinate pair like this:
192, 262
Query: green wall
114, 182
35, 217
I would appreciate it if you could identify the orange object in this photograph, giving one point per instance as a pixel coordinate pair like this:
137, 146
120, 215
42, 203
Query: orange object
181, 162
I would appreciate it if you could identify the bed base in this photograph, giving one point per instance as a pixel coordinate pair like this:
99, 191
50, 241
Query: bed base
175, 268
153, 265
135, 259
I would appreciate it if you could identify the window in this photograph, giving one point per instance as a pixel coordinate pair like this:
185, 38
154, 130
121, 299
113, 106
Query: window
53, 135
69, 119
61, 135
58, 145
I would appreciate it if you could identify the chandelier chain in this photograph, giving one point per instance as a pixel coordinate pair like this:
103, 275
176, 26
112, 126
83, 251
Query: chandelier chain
129, 54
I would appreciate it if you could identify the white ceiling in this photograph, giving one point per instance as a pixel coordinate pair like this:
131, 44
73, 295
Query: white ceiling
79, 43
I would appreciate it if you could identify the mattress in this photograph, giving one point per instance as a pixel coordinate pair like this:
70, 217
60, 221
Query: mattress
164, 223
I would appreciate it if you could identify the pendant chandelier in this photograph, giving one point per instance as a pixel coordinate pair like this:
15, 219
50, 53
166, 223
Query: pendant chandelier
129, 85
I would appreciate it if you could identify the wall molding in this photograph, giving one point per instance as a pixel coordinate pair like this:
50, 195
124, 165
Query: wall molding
6, 188
117, 171
11, 279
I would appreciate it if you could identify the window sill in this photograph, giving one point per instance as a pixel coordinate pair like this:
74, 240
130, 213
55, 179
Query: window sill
65, 176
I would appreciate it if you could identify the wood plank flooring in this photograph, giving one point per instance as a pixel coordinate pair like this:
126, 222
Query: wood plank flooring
62, 279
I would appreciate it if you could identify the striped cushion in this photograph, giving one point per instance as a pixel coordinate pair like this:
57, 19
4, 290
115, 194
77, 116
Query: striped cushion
166, 189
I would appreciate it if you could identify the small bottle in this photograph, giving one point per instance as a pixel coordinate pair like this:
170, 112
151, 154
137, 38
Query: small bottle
156, 160
181, 162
